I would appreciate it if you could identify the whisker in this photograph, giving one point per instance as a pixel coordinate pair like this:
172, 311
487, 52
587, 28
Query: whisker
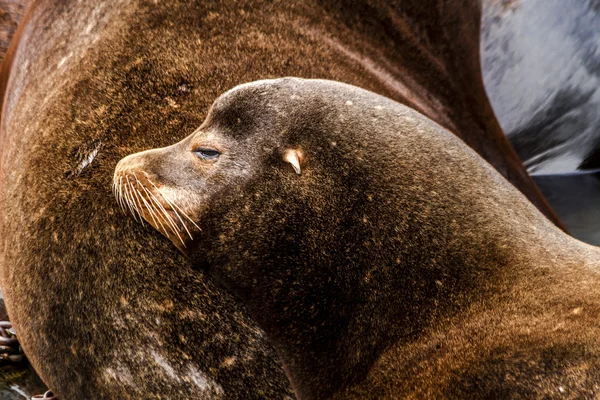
137, 203
183, 212
129, 198
173, 205
150, 209
175, 211
176, 231
119, 192
160, 216
114, 190
129, 201
170, 203
182, 222
164, 212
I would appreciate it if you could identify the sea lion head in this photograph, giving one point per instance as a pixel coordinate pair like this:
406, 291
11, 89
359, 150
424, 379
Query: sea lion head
172, 188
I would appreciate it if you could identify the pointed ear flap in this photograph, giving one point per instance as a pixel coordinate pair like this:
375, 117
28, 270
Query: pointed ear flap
294, 157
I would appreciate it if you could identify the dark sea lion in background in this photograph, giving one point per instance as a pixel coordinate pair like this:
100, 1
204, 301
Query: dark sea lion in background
382, 256
103, 307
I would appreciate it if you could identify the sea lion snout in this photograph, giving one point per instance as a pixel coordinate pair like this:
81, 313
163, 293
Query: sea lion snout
172, 188
140, 188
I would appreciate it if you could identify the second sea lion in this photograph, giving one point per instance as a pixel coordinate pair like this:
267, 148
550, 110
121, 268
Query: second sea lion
383, 257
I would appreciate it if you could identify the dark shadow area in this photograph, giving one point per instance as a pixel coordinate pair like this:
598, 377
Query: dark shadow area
575, 198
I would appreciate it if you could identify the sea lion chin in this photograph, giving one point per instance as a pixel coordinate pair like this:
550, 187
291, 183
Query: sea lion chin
382, 256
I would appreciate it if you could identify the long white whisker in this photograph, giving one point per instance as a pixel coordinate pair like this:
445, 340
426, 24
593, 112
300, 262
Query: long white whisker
183, 212
137, 203
174, 210
117, 192
174, 230
120, 192
138, 181
160, 216
173, 205
184, 225
129, 201
168, 218
150, 211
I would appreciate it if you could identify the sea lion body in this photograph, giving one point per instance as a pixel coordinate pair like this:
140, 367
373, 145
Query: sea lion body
382, 257
103, 307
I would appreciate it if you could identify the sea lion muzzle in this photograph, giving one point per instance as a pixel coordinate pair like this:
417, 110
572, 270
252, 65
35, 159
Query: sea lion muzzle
144, 196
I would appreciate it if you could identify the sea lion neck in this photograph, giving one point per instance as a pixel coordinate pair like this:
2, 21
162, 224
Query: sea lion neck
330, 317
331, 321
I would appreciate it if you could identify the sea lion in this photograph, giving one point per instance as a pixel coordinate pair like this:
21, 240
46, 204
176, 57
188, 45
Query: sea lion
104, 308
383, 257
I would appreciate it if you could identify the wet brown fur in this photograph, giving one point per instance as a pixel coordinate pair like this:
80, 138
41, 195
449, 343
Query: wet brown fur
398, 264
90, 292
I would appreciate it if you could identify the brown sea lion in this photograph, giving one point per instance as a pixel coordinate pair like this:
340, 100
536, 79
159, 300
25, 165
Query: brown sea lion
383, 257
103, 307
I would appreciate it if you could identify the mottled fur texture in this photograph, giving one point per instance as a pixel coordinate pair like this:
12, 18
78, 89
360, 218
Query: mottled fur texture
104, 307
398, 264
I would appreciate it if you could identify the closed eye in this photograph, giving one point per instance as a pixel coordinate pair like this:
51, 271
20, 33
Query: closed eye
207, 154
